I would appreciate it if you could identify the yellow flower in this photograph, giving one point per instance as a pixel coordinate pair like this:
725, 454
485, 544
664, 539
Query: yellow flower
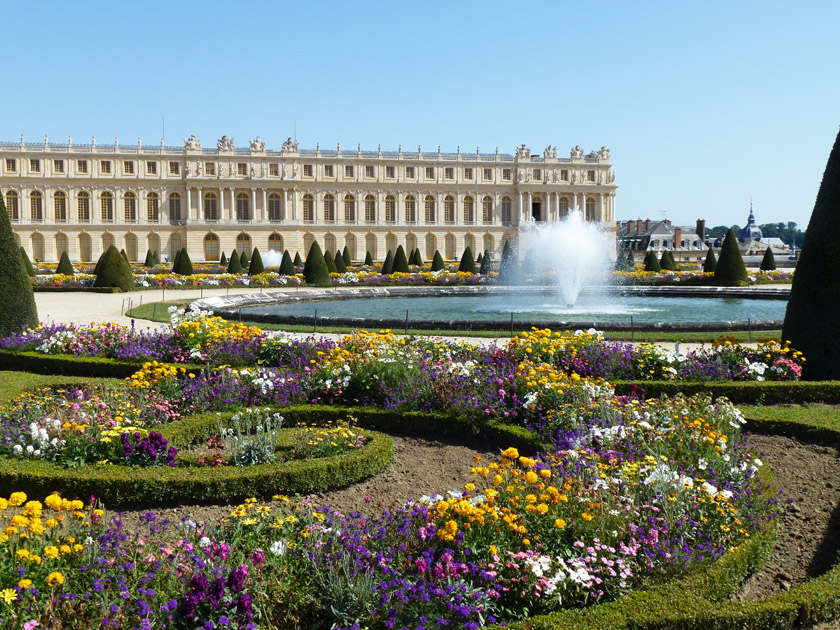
8, 595
510, 453
3, 504
17, 498
22, 554
55, 578
559, 523
51, 552
24, 583
586, 516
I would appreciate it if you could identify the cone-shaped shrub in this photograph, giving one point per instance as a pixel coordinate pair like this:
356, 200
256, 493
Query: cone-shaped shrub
437, 262
329, 259
479, 258
507, 265
667, 262
418, 259
768, 263
298, 260
174, 261
486, 263
340, 267
223, 261
631, 260
620, 262
388, 264
368, 260
234, 266
125, 256
243, 259
256, 266
812, 322
346, 256
65, 266
315, 270
467, 264
17, 308
184, 266
710, 264
114, 271
287, 267
652, 262
149, 261
730, 271
27, 264
155, 258
400, 261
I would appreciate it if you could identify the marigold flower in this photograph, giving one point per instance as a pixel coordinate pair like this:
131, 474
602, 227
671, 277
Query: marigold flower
55, 578
24, 583
510, 453
17, 498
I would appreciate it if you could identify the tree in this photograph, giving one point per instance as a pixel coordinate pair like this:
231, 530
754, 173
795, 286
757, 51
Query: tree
174, 261
243, 259
125, 256
400, 261
368, 260
256, 266
298, 260
183, 266
330, 262
730, 270
486, 263
155, 258
65, 266
340, 267
812, 321
234, 264
388, 264
114, 271
346, 255
479, 258
27, 264
437, 262
418, 259
768, 263
315, 270
710, 264
507, 265
17, 308
223, 261
287, 267
467, 264
631, 260
667, 262
149, 261
652, 262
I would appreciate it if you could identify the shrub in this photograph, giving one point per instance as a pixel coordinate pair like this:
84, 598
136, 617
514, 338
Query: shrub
114, 271
400, 261
234, 266
155, 258
298, 260
418, 259
507, 265
730, 271
388, 264
125, 256
667, 262
467, 264
287, 267
65, 266
652, 262
486, 263
174, 261
631, 260
149, 261
768, 263
183, 266
315, 270
256, 266
368, 260
710, 264
437, 262
812, 320
17, 308
223, 261
330, 262
243, 259
27, 264
346, 255
340, 267
479, 258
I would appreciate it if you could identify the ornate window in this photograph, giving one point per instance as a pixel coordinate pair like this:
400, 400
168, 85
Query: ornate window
431, 246
329, 245
370, 209
350, 244
469, 210
308, 211
38, 249
83, 207
85, 247
275, 242
329, 208
211, 247
410, 243
211, 210
36, 206
152, 206
131, 246
243, 212
174, 207
13, 205
60, 206
349, 209
275, 211
390, 243
564, 207
154, 243
130, 207
370, 245
506, 211
106, 207
590, 209
429, 205
62, 245
469, 241
174, 244
449, 247
390, 209
487, 209
107, 241
449, 209
410, 209
243, 244
488, 244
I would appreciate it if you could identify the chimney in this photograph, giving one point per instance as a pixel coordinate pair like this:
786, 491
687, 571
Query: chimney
701, 229
638, 226
647, 224
677, 238
667, 222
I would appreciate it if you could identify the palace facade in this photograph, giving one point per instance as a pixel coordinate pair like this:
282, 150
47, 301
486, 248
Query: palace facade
82, 198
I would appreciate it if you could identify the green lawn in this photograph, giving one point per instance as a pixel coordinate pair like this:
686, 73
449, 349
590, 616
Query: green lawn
13, 383
817, 416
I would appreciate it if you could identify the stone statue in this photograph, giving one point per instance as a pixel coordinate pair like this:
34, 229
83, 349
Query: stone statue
550, 152
295, 171
290, 147
220, 169
253, 172
284, 171
230, 166
257, 144
612, 177
604, 153
187, 170
262, 170
523, 151
574, 177
577, 152
198, 169
555, 175
192, 143
602, 177
225, 144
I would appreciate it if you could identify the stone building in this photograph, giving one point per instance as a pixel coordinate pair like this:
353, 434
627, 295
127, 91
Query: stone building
81, 198
687, 244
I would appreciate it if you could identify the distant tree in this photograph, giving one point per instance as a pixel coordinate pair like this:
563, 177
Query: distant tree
479, 258
768, 263
388, 264
437, 262
730, 271
17, 308
368, 260
329, 259
149, 261
339, 263
114, 271
315, 270
298, 260
223, 261
234, 264
710, 264
184, 266
667, 262
287, 267
486, 263
507, 265
256, 265
346, 255
467, 264
418, 259
65, 266
631, 260
27, 264
174, 261
156, 258
652, 262
125, 256
400, 261
788, 232
243, 259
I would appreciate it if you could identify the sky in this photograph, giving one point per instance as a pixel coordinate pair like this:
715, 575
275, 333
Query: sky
705, 106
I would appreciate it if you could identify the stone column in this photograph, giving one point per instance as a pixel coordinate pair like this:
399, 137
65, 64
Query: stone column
253, 204
189, 204
264, 215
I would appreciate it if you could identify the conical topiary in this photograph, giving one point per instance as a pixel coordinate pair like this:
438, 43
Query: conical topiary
174, 260
184, 266
437, 262
368, 260
479, 258
287, 267
149, 261
730, 271
340, 267
65, 266
155, 258
710, 264
768, 263
223, 261
329, 259
620, 261
125, 256
315, 270
27, 264
388, 264
400, 261
346, 255
486, 263
418, 259
652, 262
631, 260
256, 265
17, 308
812, 321
243, 259
467, 264
298, 260
507, 265
667, 262
114, 271
234, 266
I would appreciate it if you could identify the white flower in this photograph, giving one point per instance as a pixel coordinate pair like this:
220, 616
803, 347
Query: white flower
204, 542
278, 548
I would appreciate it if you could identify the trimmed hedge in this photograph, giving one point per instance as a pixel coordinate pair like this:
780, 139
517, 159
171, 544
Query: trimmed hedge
70, 365
764, 392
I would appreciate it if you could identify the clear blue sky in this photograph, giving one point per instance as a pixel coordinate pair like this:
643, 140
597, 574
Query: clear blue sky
704, 105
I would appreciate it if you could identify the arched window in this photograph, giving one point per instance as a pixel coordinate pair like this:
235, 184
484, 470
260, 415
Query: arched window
329, 208
449, 209
370, 209
410, 243
36, 206
431, 246
329, 244
487, 209
275, 242
349, 209
130, 207
83, 207
243, 243
152, 206
590, 209
488, 244
469, 210
469, 241
211, 208
13, 205
390, 209
62, 245
175, 207
131, 246
243, 212
308, 240
350, 244
38, 250
430, 209
507, 216
370, 245
449, 247
106, 207
410, 210
391, 243
85, 248
175, 245
308, 211
564, 207
211, 247
154, 243
275, 212
107, 241
60, 206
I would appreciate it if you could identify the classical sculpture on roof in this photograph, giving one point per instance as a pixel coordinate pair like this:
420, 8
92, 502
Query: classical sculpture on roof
192, 143
550, 152
257, 144
577, 152
225, 144
290, 147
523, 151
604, 153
